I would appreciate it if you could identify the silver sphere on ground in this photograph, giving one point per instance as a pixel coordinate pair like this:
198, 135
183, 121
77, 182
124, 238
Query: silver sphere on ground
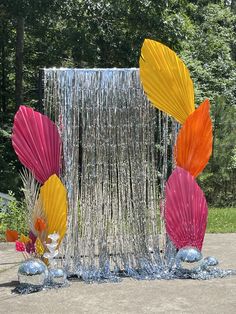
209, 262
33, 272
57, 276
188, 258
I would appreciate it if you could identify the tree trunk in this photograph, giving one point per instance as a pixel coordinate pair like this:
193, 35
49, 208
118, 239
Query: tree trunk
19, 60
3, 100
233, 47
3, 85
233, 6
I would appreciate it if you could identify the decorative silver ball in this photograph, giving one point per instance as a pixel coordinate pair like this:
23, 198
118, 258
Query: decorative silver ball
57, 276
188, 258
209, 262
32, 272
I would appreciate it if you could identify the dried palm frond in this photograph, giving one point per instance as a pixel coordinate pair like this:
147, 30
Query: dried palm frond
194, 142
37, 143
31, 193
166, 80
186, 210
53, 199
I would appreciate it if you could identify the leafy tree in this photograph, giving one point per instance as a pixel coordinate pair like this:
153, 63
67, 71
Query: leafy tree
207, 50
219, 178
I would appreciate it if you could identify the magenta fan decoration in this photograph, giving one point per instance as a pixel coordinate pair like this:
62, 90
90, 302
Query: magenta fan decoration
37, 143
186, 210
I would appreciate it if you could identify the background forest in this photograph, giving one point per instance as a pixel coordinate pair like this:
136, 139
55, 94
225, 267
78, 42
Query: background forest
109, 33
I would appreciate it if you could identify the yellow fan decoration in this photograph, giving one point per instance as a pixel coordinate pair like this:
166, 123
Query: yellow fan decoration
54, 202
166, 80
39, 247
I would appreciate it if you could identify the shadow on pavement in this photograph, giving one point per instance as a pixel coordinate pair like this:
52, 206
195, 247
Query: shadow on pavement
11, 284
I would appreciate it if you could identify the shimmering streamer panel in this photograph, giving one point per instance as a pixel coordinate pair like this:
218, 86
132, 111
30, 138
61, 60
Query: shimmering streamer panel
116, 149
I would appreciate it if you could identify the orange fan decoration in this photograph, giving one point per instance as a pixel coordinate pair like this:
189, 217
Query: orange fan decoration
194, 143
11, 235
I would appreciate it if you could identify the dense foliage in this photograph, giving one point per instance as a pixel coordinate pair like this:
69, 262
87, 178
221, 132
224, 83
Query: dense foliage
13, 216
109, 33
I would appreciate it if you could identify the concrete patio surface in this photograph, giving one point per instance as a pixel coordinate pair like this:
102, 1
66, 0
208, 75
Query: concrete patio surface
128, 296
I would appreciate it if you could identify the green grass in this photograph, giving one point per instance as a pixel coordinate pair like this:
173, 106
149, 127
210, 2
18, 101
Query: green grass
221, 220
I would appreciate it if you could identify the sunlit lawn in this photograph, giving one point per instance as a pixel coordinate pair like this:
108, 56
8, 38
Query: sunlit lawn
221, 220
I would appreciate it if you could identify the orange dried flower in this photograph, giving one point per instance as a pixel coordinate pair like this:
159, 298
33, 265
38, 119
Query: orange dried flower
11, 235
40, 224
24, 239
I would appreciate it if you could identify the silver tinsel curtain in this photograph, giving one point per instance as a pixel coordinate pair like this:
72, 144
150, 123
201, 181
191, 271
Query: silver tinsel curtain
117, 152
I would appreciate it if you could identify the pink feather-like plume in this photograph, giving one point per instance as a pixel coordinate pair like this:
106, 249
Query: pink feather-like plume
186, 210
37, 143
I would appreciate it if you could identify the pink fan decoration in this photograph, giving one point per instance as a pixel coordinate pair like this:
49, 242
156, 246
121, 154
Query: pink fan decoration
37, 143
186, 210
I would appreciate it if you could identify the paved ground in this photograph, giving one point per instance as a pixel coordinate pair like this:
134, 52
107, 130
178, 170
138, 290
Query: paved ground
129, 296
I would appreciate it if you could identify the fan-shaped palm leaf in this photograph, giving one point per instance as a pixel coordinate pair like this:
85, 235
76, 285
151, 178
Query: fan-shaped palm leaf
54, 202
166, 80
194, 142
37, 143
186, 210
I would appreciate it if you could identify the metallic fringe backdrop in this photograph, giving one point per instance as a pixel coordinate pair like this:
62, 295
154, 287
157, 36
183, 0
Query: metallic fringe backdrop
117, 152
